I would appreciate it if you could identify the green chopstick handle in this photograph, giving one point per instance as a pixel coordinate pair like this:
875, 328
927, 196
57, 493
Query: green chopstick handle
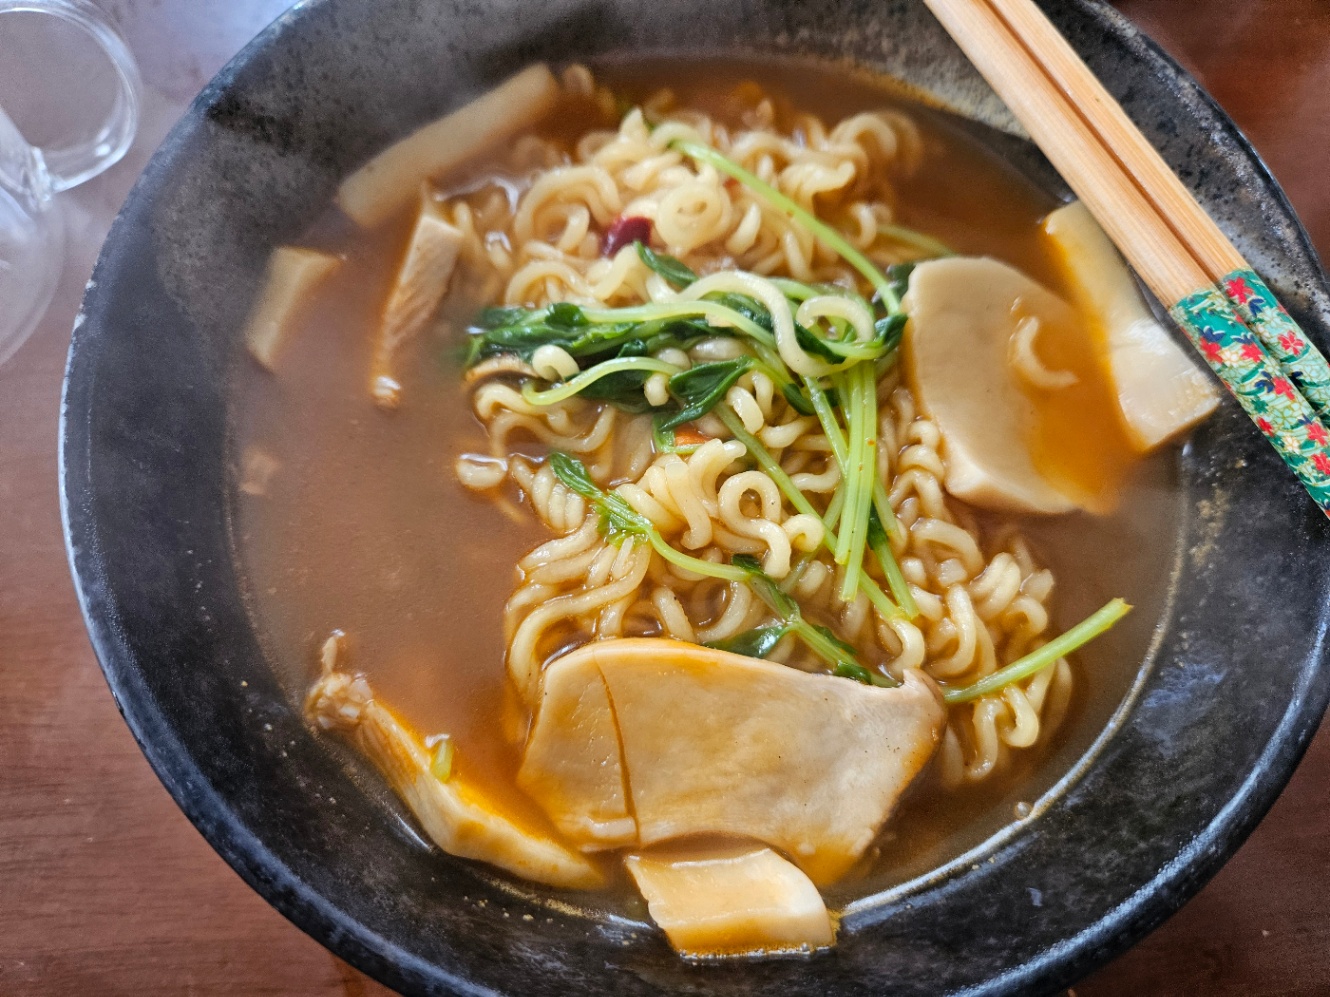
1281, 336
1261, 386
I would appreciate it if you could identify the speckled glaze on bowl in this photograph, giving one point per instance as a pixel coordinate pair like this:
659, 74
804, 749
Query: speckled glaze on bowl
1237, 679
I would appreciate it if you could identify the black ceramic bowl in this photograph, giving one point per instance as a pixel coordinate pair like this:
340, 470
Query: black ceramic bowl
1231, 691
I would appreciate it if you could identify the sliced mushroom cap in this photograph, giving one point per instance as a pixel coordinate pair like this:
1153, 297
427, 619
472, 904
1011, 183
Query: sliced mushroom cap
708, 742
387, 183
573, 763
731, 899
962, 324
1161, 391
422, 281
293, 274
458, 817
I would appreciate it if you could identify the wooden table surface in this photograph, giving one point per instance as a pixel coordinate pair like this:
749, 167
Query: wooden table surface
105, 888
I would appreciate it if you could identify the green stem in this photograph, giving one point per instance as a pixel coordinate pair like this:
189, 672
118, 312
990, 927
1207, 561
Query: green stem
847, 393
818, 643
765, 460
1059, 647
888, 609
911, 237
788, 583
884, 510
829, 236
619, 517
713, 311
799, 500
831, 429
725, 572
891, 570
862, 443
591, 375
799, 292
834, 509
827, 417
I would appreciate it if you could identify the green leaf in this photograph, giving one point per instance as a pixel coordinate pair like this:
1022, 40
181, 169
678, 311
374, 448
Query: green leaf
898, 277
756, 643
572, 473
765, 587
749, 308
662, 439
699, 388
523, 331
849, 670
679, 333
797, 399
675, 273
836, 642
889, 330
623, 389
591, 336
815, 344
494, 318
876, 534
748, 562
565, 315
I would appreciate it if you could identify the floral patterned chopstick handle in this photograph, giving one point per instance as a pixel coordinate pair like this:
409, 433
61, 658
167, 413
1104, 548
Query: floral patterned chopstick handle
1256, 304
1264, 389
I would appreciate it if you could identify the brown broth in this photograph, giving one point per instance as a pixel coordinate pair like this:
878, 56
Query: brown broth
364, 527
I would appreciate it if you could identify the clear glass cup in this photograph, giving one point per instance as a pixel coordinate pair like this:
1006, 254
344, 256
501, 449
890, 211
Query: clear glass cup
32, 244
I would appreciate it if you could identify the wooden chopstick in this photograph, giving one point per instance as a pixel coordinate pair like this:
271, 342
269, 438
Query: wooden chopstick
1176, 248
1120, 137
1072, 147
1172, 202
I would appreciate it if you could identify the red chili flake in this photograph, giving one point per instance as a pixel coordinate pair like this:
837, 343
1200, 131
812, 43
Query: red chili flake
624, 231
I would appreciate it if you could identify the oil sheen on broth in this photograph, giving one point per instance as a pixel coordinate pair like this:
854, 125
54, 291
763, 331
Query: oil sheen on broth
364, 527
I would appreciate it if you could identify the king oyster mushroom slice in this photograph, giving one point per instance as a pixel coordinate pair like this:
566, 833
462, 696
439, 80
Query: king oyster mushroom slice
422, 281
731, 898
386, 184
457, 816
1160, 390
958, 342
292, 276
645, 740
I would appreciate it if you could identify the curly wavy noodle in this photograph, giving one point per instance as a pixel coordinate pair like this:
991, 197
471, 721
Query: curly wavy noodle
981, 604
534, 231
977, 612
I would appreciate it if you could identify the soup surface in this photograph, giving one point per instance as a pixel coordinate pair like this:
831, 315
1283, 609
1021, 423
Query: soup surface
360, 524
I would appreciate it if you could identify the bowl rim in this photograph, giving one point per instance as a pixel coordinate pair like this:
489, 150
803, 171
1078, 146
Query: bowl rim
204, 805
